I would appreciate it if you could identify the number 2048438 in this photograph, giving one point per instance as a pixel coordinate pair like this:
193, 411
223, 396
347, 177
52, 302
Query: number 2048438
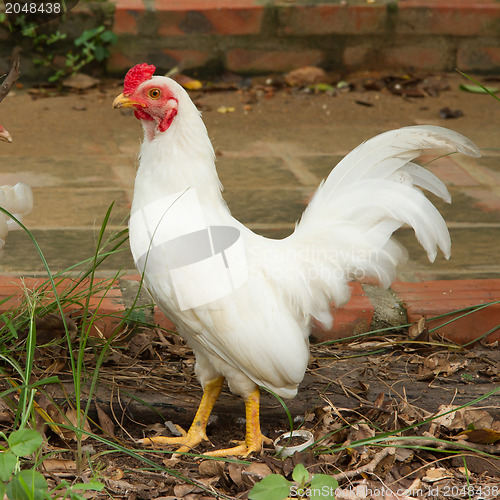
46, 7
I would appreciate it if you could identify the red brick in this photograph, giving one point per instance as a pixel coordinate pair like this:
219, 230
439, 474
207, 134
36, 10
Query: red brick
126, 15
448, 18
246, 60
169, 22
353, 318
478, 58
434, 298
162, 321
236, 21
187, 58
357, 56
118, 62
125, 22
205, 4
331, 19
414, 56
233, 18
129, 4
107, 301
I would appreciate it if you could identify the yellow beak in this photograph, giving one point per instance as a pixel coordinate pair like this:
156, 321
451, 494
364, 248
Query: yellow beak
124, 102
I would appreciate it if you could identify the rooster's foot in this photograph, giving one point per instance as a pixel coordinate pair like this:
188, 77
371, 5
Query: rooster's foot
245, 448
187, 441
254, 439
197, 432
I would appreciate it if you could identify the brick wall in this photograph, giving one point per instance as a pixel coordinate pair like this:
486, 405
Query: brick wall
259, 36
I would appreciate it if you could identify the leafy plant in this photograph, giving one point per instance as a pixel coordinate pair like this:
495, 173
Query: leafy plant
91, 45
276, 487
29, 484
14, 482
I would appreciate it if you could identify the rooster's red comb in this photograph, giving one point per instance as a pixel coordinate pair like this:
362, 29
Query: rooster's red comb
136, 75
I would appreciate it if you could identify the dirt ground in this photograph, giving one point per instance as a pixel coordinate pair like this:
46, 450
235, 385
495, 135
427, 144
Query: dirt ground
381, 386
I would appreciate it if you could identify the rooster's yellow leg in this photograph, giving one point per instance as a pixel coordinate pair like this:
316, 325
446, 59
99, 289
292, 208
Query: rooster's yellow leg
254, 438
197, 432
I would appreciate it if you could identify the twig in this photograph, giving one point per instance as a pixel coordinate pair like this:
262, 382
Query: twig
367, 468
11, 78
449, 445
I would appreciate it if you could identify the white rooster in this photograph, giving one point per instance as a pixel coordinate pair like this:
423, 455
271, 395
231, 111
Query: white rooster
243, 302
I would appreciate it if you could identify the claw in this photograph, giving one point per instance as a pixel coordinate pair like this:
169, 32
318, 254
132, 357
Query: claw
254, 439
197, 432
188, 441
244, 449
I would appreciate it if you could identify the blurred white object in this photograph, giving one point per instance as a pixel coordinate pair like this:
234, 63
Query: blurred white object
18, 200
4, 135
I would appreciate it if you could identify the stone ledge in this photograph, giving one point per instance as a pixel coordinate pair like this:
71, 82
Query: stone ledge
368, 308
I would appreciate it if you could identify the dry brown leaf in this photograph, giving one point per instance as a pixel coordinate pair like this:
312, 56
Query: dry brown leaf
72, 417
419, 330
414, 488
482, 436
105, 421
444, 420
433, 475
5, 412
461, 419
358, 492
80, 81
51, 415
360, 431
403, 454
308, 75
210, 468
253, 473
181, 490
124, 485
235, 473
114, 474
55, 465
140, 345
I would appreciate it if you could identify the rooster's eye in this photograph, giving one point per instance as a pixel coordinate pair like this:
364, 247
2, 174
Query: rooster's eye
154, 93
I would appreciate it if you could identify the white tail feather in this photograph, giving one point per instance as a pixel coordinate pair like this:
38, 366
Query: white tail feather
349, 223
